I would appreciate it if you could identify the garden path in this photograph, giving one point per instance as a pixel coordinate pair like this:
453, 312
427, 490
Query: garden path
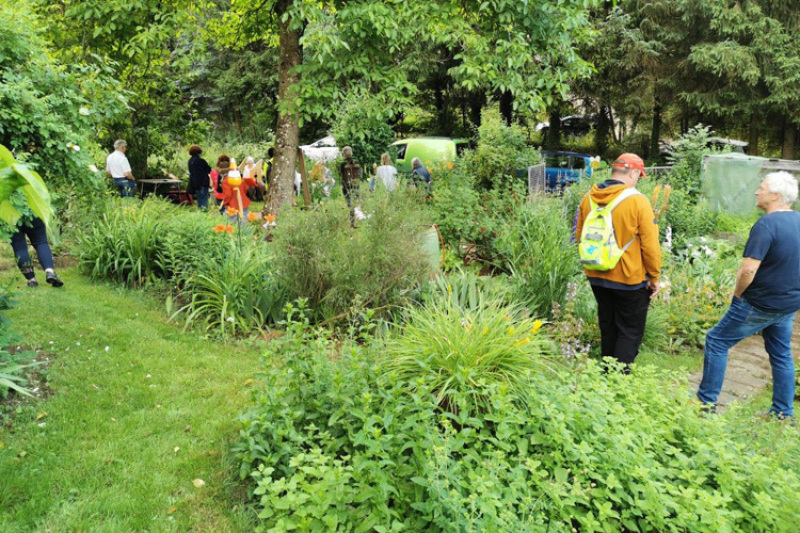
748, 370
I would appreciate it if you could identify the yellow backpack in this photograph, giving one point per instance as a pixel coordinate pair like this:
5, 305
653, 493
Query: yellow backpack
598, 249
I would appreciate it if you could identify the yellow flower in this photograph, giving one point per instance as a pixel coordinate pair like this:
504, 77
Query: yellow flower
537, 325
449, 289
511, 330
485, 331
709, 307
523, 342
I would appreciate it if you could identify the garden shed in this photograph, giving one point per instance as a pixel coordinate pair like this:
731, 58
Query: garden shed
731, 180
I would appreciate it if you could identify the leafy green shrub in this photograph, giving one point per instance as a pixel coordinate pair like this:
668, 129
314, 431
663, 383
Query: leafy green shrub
334, 442
44, 114
321, 258
501, 151
232, 291
540, 256
688, 218
466, 350
466, 289
124, 242
361, 124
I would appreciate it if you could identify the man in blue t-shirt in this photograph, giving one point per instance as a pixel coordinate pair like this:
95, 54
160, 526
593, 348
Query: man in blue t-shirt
765, 298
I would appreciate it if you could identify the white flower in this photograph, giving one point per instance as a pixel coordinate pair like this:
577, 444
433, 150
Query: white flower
108, 348
230, 319
93, 168
84, 111
76, 148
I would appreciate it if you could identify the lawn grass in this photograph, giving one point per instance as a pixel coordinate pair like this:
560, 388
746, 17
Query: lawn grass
139, 410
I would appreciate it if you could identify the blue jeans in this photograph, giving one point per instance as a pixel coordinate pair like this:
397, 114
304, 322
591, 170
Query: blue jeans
125, 187
741, 321
201, 195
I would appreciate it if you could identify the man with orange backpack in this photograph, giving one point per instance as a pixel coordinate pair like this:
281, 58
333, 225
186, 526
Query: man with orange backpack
618, 246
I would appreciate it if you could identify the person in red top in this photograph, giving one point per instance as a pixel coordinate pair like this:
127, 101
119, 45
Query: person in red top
222, 161
232, 183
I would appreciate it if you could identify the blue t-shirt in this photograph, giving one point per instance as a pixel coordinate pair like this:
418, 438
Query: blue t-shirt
775, 240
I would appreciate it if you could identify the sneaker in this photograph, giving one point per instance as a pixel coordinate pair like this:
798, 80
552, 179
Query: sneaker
32, 283
53, 280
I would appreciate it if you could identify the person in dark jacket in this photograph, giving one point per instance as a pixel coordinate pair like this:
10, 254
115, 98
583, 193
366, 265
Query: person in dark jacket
35, 230
199, 180
420, 174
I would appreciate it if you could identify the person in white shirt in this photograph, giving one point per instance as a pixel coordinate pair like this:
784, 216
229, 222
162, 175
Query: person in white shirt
119, 169
386, 173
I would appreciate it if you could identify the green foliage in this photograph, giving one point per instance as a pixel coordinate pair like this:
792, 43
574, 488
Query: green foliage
458, 210
13, 367
700, 280
538, 252
687, 155
34, 197
335, 442
688, 218
125, 241
232, 291
361, 124
49, 109
320, 257
466, 351
502, 150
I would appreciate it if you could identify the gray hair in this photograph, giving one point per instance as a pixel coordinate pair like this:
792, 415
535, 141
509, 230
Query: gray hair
347, 152
249, 159
119, 143
783, 184
416, 163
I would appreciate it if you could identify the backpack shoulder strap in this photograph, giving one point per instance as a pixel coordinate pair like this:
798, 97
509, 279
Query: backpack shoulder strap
627, 193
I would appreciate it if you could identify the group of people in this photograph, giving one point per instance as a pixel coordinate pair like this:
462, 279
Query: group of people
618, 243
233, 187
624, 277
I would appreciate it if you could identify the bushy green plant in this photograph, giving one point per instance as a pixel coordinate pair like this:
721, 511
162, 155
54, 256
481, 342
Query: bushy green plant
467, 289
502, 150
45, 116
232, 291
361, 123
124, 242
466, 351
688, 218
334, 442
538, 252
321, 258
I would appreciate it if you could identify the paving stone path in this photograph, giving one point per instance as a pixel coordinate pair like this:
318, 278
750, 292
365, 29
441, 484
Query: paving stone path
748, 370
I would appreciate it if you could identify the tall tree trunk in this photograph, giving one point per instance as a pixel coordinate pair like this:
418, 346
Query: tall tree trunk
602, 131
507, 106
553, 140
287, 133
753, 148
789, 138
655, 135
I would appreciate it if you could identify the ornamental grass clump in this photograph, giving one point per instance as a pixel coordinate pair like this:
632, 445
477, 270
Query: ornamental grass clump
465, 351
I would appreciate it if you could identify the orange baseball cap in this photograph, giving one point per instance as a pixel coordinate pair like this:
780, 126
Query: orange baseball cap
631, 161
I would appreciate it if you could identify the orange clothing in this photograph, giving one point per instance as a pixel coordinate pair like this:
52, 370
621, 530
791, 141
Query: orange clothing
633, 219
229, 193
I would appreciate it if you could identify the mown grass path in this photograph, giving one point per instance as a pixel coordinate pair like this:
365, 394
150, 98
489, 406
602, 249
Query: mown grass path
139, 410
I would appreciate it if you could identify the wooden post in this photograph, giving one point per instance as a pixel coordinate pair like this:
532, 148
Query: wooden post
301, 161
